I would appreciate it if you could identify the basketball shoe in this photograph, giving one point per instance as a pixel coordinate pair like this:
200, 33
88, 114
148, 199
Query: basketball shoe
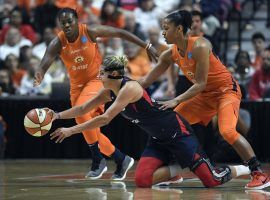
259, 181
97, 170
121, 170
173, 180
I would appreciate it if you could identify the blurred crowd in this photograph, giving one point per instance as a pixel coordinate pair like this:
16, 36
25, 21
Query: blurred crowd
28, 26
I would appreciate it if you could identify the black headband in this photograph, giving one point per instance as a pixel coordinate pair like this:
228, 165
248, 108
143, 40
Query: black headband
111, 69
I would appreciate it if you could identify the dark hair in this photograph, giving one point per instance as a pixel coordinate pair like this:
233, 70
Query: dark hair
242, 52
197, 13
67, 10
258, 35
104, 17
181, 17
267, 48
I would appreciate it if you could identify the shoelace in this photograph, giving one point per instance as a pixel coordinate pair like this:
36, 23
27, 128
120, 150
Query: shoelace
256, 176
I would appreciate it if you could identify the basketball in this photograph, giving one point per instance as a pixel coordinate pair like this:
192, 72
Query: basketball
37, 122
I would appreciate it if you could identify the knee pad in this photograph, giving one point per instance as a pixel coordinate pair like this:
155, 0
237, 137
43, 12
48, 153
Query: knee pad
230, 135
145, 170
209, 175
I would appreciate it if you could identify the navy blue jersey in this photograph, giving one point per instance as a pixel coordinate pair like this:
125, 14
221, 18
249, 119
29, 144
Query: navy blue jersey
146, 114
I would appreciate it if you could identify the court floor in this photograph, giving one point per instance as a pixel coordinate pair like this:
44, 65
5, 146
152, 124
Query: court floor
64, 179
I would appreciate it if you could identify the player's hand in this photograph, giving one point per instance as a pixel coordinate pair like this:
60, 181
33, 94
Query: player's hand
152, 54
168, 104
38, 78
60, 134
52, 113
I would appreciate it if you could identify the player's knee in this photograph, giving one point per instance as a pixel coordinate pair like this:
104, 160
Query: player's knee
210, 176
229, 134
145, 170
143, 178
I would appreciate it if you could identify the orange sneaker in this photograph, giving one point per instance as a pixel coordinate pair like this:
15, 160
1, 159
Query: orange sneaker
173, 180
259, 181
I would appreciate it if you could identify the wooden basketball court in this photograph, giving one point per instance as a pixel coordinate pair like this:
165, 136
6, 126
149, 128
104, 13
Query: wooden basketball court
64, 179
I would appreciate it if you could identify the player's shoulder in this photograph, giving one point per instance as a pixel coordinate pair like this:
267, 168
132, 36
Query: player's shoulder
201, 42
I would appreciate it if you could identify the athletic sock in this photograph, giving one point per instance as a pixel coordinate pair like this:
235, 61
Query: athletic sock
254, 164
118, 156
96, 155
174, 170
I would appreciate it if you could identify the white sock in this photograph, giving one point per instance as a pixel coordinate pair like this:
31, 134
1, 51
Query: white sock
174, 169
241, 170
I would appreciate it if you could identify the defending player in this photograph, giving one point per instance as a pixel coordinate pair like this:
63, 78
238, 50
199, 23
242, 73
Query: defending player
76, 46
214, 90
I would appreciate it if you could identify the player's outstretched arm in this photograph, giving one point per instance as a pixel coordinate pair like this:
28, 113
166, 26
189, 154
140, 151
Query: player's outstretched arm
164, 62
108, 31
102, 97
123, 99
52, 51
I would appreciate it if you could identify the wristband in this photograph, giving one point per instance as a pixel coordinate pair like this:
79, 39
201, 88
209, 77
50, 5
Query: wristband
57, 115
148, 46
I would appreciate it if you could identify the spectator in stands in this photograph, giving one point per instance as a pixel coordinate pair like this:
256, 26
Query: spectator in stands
27, 88
258, 41
6, 86
86, 11
210, 9
42, 19
26, 53
13, 42
29, 5
12, 64
47, 36
114, 47
66, 4
2, 136
148, 15
16, 21
138, 65
5, 10
260, 83
197, 29
111, 15
133, 27
243, 71
127, 4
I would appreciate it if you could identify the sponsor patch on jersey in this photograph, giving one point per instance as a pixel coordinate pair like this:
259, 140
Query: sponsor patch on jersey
84, 39
189, 55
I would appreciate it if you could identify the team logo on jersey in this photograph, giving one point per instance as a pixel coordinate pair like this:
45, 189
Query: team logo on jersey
83, 39
189, 55
79, 59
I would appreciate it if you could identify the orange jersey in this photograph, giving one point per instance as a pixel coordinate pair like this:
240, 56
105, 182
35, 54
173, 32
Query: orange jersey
81, 58
219, 78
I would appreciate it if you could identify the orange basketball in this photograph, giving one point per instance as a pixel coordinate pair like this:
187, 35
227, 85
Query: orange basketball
37, 122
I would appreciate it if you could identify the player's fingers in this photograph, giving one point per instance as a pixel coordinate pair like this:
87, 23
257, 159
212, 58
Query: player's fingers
61, 140
54, 134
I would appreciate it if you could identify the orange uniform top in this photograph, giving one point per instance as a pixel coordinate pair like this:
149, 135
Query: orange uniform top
219, 78
81, 58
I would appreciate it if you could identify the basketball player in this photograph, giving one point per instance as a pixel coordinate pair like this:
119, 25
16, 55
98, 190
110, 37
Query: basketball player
76, 46
214, 91
171, 137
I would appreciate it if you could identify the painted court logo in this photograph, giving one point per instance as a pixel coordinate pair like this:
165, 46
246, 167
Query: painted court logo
83, 39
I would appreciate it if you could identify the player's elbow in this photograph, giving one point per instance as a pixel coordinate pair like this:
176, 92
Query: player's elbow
105, 119
202, 85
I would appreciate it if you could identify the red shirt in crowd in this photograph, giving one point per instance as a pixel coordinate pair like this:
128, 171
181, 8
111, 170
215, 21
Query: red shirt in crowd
260, 82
